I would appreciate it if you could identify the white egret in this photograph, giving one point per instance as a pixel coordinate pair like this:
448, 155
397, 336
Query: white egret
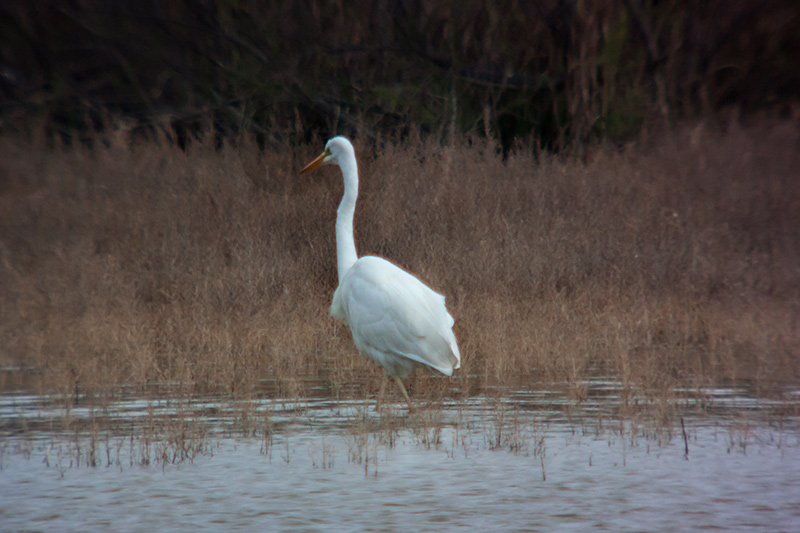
396, 320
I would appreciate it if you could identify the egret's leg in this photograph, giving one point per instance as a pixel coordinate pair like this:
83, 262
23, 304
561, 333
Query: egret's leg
380, 394
403, 389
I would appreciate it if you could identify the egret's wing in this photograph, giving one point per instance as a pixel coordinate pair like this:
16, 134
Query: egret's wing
391, 311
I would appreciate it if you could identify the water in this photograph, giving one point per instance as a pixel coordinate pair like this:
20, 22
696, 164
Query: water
516, 461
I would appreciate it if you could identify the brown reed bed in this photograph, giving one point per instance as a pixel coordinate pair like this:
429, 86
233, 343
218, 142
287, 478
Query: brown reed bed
671, 262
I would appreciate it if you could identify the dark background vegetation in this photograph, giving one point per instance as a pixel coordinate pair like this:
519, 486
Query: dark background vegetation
559, 72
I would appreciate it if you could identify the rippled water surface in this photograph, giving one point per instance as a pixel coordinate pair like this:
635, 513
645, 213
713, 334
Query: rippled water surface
517, 461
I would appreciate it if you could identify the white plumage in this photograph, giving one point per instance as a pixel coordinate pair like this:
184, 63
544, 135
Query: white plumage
396, 320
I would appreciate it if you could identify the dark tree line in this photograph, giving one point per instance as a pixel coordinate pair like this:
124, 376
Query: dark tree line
557, 71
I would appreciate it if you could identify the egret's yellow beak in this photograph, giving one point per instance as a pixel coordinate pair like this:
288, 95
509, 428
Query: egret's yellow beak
315, 163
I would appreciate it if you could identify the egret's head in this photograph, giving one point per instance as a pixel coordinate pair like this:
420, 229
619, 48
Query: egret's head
335, 151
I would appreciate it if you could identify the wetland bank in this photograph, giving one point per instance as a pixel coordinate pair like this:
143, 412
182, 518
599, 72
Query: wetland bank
628, 325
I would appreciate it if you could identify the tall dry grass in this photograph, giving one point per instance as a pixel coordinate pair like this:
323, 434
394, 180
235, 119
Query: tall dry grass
672, 262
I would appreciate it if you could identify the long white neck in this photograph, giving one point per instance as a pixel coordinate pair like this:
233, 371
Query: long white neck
345, 242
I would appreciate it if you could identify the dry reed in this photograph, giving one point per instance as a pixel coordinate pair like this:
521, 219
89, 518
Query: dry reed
672, 262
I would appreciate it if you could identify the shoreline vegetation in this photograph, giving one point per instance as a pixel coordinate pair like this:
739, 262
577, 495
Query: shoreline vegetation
670, 263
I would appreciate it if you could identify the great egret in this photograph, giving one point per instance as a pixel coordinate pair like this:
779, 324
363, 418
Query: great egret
395, 319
